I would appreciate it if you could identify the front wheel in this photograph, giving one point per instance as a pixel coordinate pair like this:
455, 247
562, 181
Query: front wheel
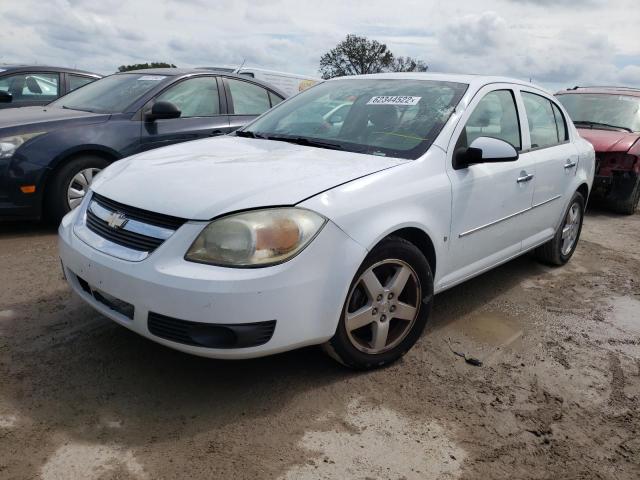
560, 248
387, 306
70, 184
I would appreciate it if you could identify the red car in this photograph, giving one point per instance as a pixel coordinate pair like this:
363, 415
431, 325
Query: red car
609, 118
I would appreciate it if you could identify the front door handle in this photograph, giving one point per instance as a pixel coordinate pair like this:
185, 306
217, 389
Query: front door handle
570, 164
215, 133
525, 178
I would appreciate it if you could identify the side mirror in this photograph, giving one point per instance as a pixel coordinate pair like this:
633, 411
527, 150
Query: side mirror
484, 150
5, 97
163, 110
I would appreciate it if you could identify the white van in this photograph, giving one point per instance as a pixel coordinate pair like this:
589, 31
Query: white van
288, 83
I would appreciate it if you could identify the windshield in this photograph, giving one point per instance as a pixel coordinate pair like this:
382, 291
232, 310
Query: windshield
620, 111
110, 94
389, 117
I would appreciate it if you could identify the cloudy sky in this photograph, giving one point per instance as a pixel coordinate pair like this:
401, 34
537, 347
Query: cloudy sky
556, 43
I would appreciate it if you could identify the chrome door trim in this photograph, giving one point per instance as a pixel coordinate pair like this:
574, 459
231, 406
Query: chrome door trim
546, 201
482, 227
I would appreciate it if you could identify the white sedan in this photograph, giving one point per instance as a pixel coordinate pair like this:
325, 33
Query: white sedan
293, 233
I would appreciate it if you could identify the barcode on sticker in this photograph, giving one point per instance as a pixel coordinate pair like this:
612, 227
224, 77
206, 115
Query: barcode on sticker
394, 100
152, 78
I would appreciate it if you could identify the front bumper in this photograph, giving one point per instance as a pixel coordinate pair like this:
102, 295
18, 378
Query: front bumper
618, 186
304, 296
14, 173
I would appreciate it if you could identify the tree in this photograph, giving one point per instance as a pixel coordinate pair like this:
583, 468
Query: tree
408, 64
357, 55
140, 66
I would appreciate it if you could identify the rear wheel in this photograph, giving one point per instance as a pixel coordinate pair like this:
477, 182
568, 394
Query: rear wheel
560, 248
387, 306
70, 184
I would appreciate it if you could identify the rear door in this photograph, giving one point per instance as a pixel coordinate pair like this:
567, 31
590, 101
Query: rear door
488, 200
31, 88
547, 143
203, 113
247, 100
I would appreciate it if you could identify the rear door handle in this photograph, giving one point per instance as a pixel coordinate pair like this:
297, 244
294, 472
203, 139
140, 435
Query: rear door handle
215, 133
570, 164
525, 178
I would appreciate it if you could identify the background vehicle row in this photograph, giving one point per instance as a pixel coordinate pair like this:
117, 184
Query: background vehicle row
31, 85
49, 155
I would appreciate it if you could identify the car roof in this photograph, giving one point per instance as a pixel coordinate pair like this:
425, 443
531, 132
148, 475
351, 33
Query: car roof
475, 81
628, 91
180, 72
30, 68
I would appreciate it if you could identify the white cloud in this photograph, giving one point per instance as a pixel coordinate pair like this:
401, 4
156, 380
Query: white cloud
552, 42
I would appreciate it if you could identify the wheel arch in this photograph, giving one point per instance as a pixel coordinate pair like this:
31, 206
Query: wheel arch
583, 189
62, 160
421, 240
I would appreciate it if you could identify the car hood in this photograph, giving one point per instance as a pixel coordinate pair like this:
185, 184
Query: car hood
202, 179
609, 140
34, 118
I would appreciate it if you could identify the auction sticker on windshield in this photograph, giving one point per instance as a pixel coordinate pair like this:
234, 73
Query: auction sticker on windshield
152, 78
394, 100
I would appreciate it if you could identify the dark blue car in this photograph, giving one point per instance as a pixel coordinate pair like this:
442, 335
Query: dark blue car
49, 155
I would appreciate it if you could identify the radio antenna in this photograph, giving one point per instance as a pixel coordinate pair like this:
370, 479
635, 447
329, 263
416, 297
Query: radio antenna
241, 65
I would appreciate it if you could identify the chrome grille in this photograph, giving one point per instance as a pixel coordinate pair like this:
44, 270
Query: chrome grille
121, 236
126, 232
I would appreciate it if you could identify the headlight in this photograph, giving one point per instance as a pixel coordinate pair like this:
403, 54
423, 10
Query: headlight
9, 145
256, 239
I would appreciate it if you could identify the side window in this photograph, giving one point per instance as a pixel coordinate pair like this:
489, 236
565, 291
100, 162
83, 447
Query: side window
275, 99
195, 97
495, 116
563, 135
247, 98
541, 120
30, 87
76, 81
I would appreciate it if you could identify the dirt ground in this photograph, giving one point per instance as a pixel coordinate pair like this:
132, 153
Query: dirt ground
558, 395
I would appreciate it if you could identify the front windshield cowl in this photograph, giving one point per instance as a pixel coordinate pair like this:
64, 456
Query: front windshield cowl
390, 117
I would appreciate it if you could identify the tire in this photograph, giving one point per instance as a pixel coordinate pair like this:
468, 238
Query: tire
57, 204
629, 205
555, 251
363, 347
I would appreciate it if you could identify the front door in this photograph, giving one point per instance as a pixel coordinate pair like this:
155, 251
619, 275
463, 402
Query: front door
30, 89
198, 100
488, 200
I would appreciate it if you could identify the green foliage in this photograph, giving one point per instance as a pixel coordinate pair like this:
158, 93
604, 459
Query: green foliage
141, 66
357, 55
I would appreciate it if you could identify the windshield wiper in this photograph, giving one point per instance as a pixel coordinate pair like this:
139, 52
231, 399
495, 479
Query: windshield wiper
309, 142
247, 134
77, 109
599, 124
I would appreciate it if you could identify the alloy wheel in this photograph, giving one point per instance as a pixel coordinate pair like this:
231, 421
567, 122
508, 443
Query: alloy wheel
79, 186
571, 228
382, 306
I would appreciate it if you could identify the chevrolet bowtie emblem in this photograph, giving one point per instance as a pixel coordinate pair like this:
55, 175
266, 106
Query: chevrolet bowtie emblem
117, 220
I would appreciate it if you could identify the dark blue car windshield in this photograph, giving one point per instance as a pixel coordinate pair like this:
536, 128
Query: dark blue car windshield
110, 94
